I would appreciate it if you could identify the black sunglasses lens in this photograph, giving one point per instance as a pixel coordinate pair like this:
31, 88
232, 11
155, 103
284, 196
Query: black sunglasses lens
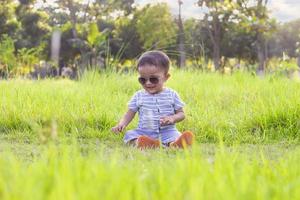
142, 80
153, 80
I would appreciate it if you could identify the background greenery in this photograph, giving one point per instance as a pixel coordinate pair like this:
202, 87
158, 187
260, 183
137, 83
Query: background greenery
111, 34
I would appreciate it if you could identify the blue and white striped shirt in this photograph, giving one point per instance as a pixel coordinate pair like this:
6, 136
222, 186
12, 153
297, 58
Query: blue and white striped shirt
151, 107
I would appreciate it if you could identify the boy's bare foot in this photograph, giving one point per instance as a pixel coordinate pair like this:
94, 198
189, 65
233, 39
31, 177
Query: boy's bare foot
145, 142
184, 140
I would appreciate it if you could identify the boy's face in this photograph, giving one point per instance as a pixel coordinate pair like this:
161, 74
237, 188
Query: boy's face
152, 78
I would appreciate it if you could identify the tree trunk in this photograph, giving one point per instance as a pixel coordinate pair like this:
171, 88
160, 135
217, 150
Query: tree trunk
260, 41
69, 4
182, 55
216, 57
261, 55
181, 38
215, 36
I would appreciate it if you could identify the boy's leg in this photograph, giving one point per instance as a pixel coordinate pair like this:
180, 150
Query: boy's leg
169, 135
184, 140
131, 136
146, 142
132, 142
141, 140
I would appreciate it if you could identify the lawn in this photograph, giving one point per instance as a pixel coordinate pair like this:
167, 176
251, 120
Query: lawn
56, 141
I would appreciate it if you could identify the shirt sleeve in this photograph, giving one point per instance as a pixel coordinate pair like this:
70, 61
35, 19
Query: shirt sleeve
132, 104
178, 103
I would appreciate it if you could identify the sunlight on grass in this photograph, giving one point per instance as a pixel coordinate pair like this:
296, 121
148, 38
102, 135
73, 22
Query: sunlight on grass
238, 108
73, 172
56, 141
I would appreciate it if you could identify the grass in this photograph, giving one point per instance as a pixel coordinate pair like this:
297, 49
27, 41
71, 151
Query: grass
96, 171
239, 108
56, 143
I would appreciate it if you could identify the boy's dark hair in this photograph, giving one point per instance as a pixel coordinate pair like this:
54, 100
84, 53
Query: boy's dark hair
156, 58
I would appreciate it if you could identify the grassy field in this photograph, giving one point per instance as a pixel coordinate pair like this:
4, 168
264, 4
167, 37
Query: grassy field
56, 143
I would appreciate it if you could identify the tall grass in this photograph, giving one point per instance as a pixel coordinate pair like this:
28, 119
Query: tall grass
234, 108
68, 172
230, 109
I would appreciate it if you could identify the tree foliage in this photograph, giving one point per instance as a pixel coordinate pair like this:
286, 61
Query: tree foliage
8, 23
7, 56
220, 14
119, 30
156, 27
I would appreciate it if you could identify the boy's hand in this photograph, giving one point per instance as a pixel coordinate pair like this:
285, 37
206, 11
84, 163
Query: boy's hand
166, 120
119, 128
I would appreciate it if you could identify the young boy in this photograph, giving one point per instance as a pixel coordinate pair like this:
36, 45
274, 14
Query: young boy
159, 108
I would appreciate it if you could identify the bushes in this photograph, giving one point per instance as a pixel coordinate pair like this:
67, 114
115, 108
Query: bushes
16, 64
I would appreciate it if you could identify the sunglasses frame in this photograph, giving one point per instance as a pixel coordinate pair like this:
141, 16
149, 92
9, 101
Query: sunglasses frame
151, 79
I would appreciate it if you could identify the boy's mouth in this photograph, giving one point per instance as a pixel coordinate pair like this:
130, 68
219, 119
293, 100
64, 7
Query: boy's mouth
150, 87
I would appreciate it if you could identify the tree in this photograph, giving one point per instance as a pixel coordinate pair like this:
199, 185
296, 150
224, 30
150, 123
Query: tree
126, 36
256, 20
8, 23
104, 7
285, 39
239, 43
260, 29
7, 55
74, 8
96, 41
79, 20
156, 27
220, 13
197, 42
34, 29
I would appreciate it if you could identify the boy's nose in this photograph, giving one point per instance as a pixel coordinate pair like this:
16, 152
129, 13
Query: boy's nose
148, 82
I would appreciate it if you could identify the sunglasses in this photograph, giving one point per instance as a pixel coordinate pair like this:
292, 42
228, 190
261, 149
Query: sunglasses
153, 80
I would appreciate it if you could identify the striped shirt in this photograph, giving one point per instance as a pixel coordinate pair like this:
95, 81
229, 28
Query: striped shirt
151, 107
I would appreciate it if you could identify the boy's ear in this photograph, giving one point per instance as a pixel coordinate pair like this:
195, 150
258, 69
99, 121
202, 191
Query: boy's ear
168, 76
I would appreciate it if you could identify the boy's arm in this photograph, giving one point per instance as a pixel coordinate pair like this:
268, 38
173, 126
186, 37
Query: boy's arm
177, 117
126, 119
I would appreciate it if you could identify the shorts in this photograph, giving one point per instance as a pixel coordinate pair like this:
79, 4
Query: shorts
166, 135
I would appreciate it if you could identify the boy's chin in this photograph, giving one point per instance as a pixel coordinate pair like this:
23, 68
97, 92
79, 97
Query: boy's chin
152, 91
